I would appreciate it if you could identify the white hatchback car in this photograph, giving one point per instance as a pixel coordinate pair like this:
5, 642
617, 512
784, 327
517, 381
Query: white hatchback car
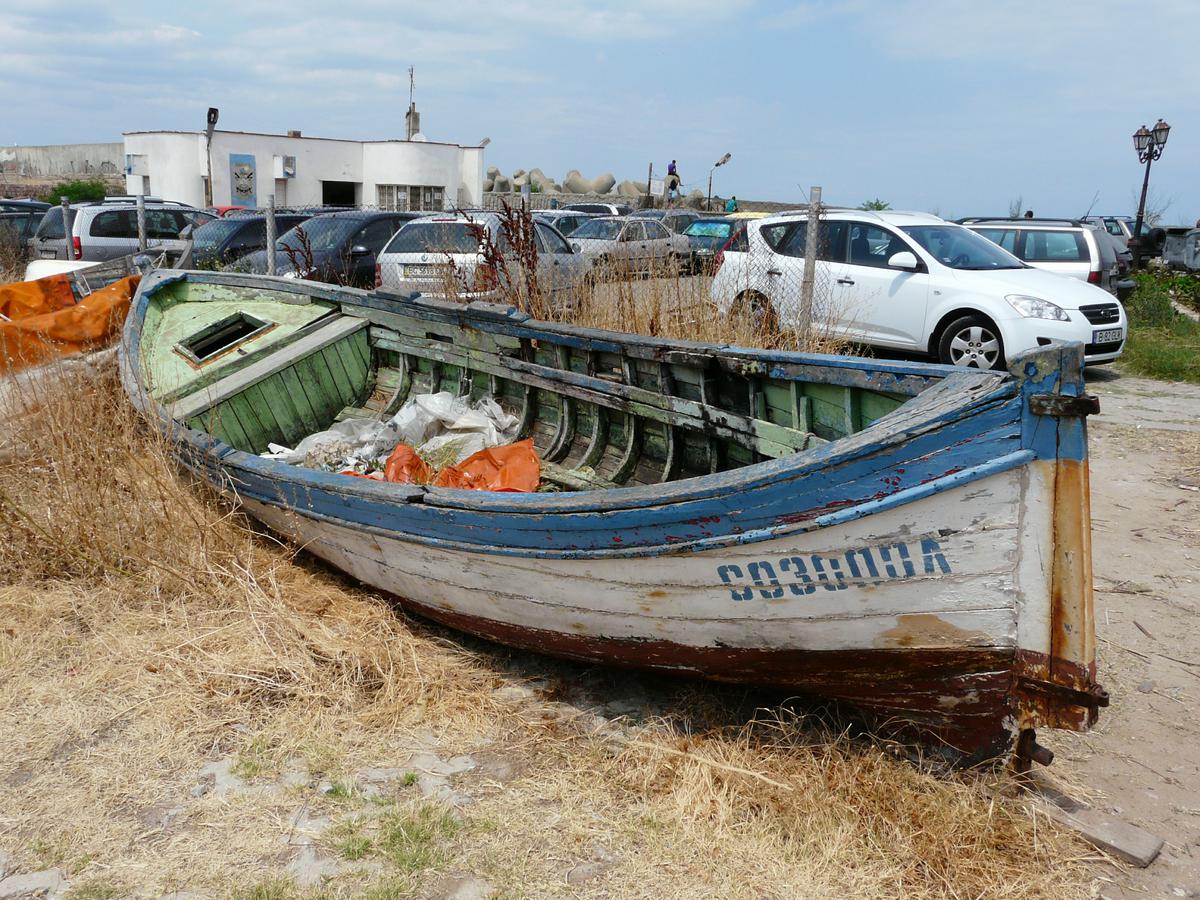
914, 282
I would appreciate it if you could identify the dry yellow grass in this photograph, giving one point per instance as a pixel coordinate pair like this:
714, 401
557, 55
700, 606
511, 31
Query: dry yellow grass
146, 630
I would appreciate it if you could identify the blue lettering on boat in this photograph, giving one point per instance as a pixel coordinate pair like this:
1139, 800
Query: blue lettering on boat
801, 574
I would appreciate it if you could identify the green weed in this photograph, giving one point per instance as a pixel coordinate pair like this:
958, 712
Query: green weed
1162, 343
349, 840
413, 839
94, 890
271, 889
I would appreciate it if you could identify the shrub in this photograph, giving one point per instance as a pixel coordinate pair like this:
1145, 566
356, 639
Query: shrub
76, 191
1150, 303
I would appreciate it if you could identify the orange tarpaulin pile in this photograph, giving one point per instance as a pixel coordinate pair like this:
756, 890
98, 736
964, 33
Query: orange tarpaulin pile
23, 299
514, 467
47, 323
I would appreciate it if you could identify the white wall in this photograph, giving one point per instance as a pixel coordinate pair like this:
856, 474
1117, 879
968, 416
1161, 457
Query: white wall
447, 166
175, 164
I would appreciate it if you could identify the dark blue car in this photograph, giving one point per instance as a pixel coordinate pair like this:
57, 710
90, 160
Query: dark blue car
337, 247
221, 241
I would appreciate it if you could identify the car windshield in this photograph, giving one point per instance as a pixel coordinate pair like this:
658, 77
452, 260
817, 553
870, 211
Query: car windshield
961, 248
599, 229
709, 229
214, 233
434, 237
323, 234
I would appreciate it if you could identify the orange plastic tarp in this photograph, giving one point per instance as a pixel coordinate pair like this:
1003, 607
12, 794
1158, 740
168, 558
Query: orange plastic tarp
87, 325
514, 467
23, 299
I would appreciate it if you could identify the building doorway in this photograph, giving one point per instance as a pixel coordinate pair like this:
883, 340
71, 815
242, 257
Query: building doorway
338, 193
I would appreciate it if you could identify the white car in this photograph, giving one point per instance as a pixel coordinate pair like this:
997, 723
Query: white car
621, 246
914, 282
443, 254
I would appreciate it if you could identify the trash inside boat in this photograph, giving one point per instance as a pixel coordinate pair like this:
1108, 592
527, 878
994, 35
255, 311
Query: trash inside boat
912, 540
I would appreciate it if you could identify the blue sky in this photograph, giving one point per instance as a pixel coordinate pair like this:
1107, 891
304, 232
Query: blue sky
952, 107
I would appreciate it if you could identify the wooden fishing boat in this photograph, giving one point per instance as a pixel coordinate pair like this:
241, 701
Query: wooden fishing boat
910, 539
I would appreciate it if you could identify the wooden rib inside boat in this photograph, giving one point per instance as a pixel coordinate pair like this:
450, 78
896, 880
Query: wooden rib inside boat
600, 416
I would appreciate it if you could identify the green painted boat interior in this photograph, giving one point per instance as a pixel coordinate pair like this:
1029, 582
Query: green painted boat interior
599, 419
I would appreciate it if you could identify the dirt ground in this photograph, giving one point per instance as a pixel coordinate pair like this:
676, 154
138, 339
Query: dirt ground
1144, 755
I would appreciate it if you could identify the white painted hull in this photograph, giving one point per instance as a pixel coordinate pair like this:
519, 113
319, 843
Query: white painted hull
727, 597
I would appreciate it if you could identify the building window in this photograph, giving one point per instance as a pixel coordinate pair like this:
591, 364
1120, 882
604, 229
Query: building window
391, 197
415, 197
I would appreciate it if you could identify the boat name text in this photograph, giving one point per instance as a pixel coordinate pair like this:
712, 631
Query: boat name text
861, 567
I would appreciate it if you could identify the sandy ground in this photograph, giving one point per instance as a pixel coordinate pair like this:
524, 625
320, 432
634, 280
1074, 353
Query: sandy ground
1144, 756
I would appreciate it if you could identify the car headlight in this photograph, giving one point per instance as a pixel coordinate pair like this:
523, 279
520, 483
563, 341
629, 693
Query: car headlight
291, 273
1037, 308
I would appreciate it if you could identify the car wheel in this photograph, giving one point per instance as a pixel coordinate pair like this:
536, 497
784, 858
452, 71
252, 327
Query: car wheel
757, 311
972, 341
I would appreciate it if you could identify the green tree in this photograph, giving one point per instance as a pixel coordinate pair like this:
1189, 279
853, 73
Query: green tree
876, 204
77, 191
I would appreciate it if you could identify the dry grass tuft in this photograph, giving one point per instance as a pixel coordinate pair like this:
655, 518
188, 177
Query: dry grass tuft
146, 630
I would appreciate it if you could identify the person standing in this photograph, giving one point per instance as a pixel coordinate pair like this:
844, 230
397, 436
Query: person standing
672, 180
731, 205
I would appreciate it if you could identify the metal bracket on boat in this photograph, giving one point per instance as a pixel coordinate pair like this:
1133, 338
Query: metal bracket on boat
1092, 698
1061, 405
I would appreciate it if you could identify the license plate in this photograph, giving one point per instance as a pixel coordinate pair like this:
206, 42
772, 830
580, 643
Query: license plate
422, 271
47, 254
1107, 336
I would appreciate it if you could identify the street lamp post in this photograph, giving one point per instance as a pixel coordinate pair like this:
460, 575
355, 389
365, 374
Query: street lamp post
720, 162
1149, 143
211, 124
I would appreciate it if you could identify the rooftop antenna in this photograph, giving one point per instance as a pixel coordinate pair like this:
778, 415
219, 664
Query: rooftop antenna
412, 119
1091, 205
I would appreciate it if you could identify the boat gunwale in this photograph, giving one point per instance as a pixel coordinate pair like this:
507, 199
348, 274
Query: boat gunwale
880, 435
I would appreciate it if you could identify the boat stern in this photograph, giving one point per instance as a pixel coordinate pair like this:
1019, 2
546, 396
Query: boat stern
1055, 671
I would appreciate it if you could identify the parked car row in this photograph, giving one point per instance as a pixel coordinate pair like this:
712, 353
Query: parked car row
970, 293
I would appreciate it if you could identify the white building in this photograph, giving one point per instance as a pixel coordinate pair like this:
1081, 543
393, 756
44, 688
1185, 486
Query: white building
303, 171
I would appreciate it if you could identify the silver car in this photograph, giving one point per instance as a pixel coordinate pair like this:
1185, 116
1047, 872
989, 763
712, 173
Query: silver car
616, 245
676, 220
443, 255
108, 229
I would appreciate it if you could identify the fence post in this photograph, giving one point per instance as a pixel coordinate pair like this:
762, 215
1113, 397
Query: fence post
66, 214
270, 234
810, 261
141, 222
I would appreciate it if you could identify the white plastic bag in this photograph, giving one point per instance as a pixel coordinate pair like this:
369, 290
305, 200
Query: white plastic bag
427, 422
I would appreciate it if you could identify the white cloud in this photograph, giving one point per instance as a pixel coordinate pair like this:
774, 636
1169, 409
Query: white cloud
172, 33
